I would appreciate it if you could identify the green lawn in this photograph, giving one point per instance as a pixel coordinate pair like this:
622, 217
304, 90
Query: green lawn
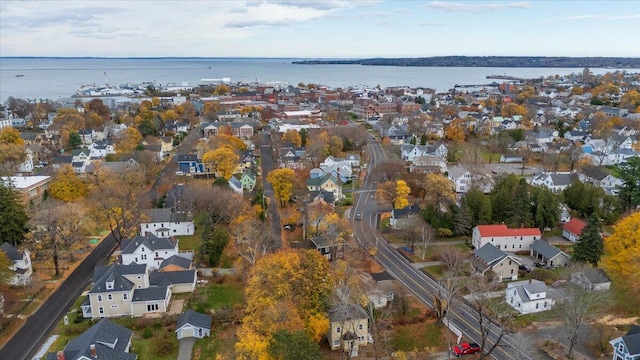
192, 242
435, 270
418, 337
217, 296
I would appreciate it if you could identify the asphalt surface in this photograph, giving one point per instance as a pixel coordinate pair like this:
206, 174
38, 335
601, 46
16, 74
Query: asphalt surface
25, 343
423, 287
269, 163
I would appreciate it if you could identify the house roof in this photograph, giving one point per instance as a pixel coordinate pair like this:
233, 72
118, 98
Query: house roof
321, 180
11, 251
347, 312
490, 254
595, 172
176, 260
406, 212
502, 230
163, 215
129, 246
595, 276
562, 179
194, 318
457, 171
632, 340
575, 226
109, 338
187, 157
326, 196
115, 273
532, 286
235, 182
166, 278
150, 294
547, 250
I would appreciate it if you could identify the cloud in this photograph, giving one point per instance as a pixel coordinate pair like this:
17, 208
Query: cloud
474, 7
597, 17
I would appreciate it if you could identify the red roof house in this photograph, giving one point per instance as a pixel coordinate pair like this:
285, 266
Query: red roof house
504, 238
572, 229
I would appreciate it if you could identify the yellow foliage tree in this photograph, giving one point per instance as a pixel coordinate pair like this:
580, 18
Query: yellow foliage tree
511, 109
335, 145
130, 139
10, 136
286, 290
622, 251
438, 189
293, 137
227, 140
402, 192
283, 181
386, 192
455, 131
223, 160
66, 185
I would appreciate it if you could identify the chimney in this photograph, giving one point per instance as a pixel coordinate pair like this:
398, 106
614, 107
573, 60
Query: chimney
92, 351
60, 355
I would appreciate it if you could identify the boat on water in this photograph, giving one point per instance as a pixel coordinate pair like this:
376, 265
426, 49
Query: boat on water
19, 75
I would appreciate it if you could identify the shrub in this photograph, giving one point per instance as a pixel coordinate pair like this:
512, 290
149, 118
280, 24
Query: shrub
147, 333
164, 343
442, 232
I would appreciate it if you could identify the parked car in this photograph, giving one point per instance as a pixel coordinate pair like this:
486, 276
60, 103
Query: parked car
465, 348
539, 264
524, 268
358, 217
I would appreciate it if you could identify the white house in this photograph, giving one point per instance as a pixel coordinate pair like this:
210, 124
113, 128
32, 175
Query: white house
193, 324
149, 250
528, 296
410, 152
20, 264
461, 178
165, 223
235, 185
627, 347
553, 181
503, 238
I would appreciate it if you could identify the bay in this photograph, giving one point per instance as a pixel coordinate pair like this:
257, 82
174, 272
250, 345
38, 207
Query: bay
54, 78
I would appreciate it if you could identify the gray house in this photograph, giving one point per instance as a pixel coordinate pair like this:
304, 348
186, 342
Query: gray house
592, 279
549, 254
403, 218
104, 340
193, 324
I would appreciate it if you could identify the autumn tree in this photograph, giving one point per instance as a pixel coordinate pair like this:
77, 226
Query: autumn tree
214, 202
226, 140
287, 290
12, 149
293, 137
455, 131
57, 228
393, 193
67, 186
223, 159
13, 217
6, 274
390, 170
335, 145
402, 192
622, 250
318, 148
439, 190
512, 109
282, 181
128, 140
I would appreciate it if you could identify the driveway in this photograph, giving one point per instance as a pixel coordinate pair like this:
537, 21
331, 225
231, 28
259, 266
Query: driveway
186, 347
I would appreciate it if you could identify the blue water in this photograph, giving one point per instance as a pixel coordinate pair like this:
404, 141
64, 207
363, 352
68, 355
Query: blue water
53, 78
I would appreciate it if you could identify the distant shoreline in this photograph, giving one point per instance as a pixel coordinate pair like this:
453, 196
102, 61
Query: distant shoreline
490, 61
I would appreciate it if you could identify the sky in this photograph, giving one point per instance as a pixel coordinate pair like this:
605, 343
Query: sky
319, 29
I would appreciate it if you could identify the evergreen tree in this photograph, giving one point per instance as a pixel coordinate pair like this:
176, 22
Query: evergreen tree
423, 139
502, 198
294, 345
304, 135
74, 140
520, 215
464, 218
214, 240
591, 246
479, 205
13, 217
545, 207
630, 191
413, 140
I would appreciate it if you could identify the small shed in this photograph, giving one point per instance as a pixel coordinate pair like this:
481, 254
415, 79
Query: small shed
592, 279
549, 254
573, 229
193, 324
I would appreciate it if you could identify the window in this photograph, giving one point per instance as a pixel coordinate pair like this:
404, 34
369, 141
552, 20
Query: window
336, 342
99, 297
520, 237
139, 277
537, 306
125, 296
114, 306
511, 271
360, 327
621, 347
135, 260
338, 329
142, 249
101, 310
109, 297
147, 226
513, 246
152, 307
520, 246
509, 262
157, 254
174, 230
545, 304
110, 285
143, 256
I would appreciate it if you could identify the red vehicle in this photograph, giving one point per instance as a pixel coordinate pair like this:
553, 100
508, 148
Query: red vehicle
465, 348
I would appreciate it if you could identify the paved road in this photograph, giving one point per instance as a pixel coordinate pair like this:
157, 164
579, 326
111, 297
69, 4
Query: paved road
41, 323
460, 314
28, 339
269, 163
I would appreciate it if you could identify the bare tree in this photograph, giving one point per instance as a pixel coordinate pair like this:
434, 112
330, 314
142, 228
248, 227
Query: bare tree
215, 202
577, 304
488, 309
455, 261
252, 241
389, 171
420, 233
